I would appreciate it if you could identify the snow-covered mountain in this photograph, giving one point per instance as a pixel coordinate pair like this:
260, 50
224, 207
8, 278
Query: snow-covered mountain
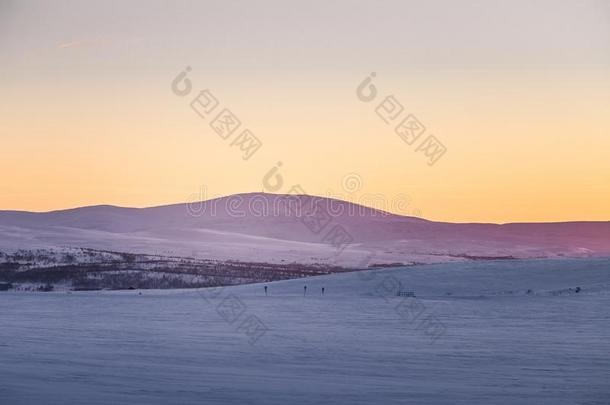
273, 228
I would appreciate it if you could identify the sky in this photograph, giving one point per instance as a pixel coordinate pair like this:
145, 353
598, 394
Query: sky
516, 92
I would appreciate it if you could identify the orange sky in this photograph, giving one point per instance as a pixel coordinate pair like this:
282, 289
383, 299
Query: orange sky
88, 115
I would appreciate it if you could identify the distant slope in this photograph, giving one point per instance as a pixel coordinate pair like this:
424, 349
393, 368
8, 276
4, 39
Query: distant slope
279, 228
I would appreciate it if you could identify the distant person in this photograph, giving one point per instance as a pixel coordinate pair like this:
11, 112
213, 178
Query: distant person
265, 290
304, 290
322, 290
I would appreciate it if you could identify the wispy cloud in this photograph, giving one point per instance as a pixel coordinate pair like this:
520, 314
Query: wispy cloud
82, 43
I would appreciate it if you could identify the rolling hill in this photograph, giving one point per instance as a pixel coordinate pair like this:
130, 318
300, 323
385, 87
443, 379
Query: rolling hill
274, 228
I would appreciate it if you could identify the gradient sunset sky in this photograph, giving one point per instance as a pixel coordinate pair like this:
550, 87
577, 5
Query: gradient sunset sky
517, 91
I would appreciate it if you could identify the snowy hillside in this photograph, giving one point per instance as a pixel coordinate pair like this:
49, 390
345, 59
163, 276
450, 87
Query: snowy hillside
272, 228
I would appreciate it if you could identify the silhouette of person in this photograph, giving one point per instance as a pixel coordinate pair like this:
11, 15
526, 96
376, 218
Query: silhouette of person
265, 290
322, 290
304, 290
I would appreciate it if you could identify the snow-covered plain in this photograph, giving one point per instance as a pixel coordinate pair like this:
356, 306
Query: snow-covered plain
498, 343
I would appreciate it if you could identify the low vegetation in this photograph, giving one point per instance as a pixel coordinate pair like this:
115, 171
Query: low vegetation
88, 269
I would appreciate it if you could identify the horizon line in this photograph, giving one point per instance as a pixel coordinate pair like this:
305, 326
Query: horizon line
297, 195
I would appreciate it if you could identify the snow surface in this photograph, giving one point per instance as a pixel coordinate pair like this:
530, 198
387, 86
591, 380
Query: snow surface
502, 344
